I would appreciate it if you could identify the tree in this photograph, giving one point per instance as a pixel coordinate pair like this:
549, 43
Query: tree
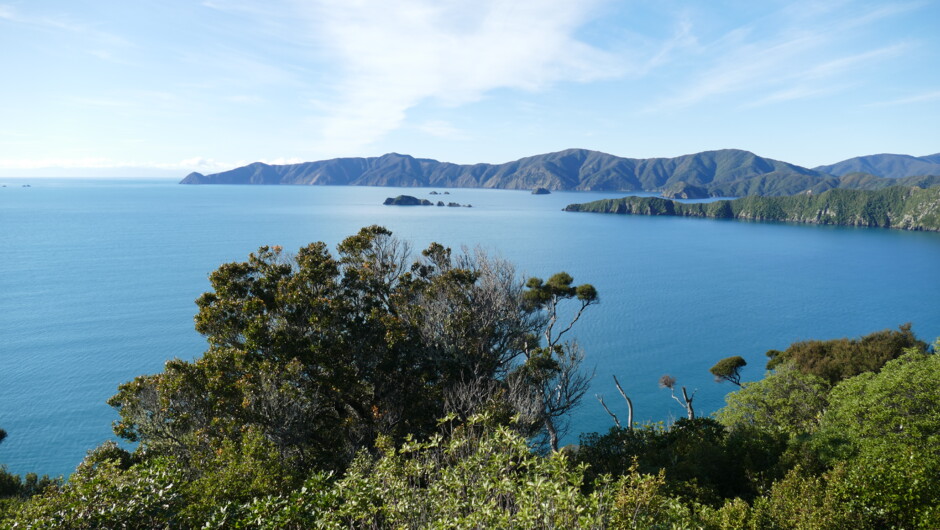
785, 401
668, 381
895, 407
625, 398
839, 359
729, 369
322, 354
552, 366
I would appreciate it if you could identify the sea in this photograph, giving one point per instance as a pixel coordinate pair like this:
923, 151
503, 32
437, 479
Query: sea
98, 279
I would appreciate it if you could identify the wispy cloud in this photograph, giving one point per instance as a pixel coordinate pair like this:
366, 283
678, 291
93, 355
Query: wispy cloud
393, 56
799, 59
53, 23
682, 39
796, 93
814, 82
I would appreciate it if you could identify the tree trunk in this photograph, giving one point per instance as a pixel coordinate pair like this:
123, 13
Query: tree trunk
629, 404
688, 403
552, 435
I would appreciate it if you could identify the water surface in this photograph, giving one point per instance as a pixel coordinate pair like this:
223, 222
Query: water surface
98, 279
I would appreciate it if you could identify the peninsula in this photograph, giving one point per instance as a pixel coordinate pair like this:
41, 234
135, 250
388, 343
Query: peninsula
907, 208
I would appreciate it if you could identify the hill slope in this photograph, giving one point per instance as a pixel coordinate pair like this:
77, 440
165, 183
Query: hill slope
723, 172
895, 207
886, 165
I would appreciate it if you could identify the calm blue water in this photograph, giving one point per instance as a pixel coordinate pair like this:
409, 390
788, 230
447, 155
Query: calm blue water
98, 279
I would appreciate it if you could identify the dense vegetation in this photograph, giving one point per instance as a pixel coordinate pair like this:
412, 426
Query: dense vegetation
895, 207
886, 165
367, 390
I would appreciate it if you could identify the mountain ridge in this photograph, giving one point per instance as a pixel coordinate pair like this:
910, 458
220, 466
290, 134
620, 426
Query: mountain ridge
886, 165
724, 172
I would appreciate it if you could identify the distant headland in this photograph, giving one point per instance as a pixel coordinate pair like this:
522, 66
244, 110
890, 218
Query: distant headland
906, 208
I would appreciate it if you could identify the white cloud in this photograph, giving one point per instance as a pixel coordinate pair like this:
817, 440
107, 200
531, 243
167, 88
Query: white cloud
394, 55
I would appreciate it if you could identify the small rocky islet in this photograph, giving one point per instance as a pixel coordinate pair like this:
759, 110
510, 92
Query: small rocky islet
408, 200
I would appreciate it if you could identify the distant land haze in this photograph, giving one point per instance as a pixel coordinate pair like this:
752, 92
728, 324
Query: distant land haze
722, 173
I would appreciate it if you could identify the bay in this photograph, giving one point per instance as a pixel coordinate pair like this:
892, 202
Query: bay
98, 279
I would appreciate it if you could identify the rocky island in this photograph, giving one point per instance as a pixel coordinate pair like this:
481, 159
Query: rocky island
407, 200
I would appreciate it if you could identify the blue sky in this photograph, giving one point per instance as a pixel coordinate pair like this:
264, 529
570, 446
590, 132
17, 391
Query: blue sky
171, 86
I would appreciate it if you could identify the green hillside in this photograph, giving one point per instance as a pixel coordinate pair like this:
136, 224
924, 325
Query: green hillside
722, 172
906, 208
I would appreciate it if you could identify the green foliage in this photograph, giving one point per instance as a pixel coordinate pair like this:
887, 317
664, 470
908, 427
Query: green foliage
319, 355
898, 407
480, 476
786, 401
835, 360
888, 486
700, 459
15, 491
729, 369
870, 451
236, 473
909, 208
105, 496
551, 368
112, 489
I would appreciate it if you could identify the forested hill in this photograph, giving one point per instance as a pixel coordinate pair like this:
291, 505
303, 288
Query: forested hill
728, 172
908, 208
886, 165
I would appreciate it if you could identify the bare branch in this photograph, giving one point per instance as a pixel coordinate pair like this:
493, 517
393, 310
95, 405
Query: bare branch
612, 415
629, 403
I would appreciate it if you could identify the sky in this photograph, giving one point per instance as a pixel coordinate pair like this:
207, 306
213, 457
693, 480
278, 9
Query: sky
165, 87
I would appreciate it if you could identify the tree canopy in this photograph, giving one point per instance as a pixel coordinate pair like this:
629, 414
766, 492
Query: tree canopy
729, 369
320, 354
838, 359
